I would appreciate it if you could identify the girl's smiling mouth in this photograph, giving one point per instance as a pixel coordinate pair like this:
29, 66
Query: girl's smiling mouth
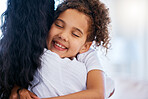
59, 46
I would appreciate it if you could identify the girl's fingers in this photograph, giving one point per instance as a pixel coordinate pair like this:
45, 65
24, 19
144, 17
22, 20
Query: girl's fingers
24, 94
33, 95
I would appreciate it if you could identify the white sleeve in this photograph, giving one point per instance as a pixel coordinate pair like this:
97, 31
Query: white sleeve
109, 86
91, 60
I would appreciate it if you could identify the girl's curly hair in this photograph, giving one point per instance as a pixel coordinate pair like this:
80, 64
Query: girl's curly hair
24, 30
99, 18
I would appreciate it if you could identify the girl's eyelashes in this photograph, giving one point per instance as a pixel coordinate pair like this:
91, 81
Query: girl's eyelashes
75, 35
60, 26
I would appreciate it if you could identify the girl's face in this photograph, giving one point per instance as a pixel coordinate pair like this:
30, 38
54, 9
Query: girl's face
68, 34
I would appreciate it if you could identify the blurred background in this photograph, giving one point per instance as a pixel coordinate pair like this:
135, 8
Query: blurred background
128, 56
127, 60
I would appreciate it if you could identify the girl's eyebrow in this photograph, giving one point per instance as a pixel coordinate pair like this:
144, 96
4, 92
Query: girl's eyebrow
60, 20
78, 30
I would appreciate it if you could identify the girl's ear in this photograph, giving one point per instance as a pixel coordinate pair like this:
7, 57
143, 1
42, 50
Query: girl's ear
85, 47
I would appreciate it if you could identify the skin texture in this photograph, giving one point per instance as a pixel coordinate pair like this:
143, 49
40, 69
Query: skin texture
67, 37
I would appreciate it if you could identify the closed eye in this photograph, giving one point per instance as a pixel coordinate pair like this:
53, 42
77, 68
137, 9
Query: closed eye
75, 35
58, 25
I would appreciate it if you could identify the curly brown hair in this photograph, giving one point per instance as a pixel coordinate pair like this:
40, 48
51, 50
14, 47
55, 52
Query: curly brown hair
99, 18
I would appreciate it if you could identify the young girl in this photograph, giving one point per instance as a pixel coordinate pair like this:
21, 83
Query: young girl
76, 25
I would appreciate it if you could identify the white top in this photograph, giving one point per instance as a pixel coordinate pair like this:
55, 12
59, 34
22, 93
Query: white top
91, 60
58, 76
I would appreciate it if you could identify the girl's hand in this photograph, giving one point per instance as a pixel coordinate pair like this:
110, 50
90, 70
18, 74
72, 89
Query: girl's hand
22, 93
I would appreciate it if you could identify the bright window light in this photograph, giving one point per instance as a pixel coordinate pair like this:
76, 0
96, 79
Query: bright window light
2, 9
131, 11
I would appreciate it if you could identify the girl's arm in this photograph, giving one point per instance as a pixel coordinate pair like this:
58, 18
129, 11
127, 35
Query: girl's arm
95, 88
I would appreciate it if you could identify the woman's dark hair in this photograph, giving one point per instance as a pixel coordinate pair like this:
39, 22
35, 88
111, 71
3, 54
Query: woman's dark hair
98, 15
25, 26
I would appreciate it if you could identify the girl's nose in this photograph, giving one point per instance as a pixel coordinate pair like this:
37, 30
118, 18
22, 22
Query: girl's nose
63, 36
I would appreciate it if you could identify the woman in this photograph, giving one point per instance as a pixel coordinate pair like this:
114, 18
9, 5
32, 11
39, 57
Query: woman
22, 44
